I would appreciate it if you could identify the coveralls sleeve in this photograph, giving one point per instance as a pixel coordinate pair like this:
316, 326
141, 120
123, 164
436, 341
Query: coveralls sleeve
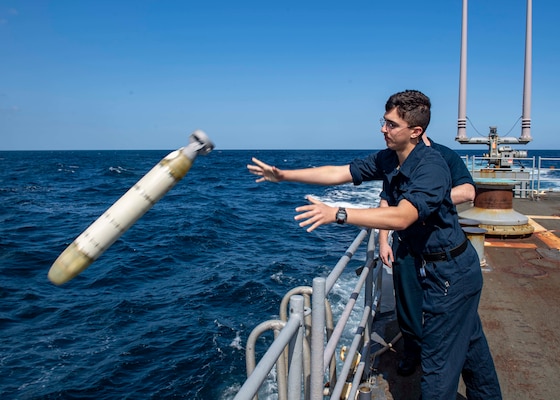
364, 170
429, 186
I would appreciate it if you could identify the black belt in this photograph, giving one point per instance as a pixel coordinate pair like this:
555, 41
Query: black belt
432, 257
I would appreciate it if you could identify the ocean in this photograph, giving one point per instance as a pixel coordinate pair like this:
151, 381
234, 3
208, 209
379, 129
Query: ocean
166, 311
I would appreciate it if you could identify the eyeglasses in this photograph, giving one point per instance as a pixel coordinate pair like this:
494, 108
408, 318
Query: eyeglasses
390, 124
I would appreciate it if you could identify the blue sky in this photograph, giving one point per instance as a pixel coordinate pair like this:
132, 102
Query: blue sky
265, 75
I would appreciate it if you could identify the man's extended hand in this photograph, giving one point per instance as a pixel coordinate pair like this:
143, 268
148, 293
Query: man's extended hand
265, 171
315, 214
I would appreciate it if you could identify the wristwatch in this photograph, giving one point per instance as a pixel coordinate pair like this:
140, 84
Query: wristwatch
341, 215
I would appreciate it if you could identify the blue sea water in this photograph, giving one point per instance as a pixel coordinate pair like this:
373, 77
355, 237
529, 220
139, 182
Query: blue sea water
164, 312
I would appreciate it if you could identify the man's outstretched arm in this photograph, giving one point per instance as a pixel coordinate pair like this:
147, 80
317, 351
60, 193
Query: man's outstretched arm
325, 175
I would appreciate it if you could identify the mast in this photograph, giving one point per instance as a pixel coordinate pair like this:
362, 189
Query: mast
462, 117
494, 140
526, 116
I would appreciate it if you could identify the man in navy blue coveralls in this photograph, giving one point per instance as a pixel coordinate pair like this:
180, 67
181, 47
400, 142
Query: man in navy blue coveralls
417, 183
408, 290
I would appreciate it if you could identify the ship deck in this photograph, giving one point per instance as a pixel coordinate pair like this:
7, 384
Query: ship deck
519, 309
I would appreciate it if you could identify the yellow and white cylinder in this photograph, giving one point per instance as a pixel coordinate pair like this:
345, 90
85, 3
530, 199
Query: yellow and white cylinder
102, 233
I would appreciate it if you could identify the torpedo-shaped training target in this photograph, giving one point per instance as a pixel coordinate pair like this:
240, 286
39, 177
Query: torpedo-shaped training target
101, 234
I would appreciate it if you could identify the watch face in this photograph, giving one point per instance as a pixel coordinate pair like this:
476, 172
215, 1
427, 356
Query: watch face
341, 216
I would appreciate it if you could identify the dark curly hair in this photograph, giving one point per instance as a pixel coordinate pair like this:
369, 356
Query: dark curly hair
412, 106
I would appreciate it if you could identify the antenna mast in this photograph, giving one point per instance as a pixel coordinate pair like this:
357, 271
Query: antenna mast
493, 140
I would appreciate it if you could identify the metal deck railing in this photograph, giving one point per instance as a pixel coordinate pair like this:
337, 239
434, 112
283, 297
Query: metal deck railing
306, 338
549, 164
532, 174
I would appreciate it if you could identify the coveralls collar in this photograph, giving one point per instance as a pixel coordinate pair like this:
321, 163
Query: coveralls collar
413, 159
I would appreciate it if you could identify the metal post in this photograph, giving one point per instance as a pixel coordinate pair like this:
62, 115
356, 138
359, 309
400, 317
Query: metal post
368, 296
317, 338
476, 236
462, 118
296, 350
526, 117
364, 393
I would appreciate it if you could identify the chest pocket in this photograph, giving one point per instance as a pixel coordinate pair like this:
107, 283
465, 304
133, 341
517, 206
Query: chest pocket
398, 186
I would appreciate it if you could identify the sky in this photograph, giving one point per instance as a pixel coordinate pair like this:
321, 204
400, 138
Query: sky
104, 75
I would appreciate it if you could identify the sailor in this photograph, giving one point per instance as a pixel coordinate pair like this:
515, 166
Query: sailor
408, 291
417, 186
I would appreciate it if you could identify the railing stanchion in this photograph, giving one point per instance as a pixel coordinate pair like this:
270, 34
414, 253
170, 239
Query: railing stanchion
368, 295
317, 338
295, 369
